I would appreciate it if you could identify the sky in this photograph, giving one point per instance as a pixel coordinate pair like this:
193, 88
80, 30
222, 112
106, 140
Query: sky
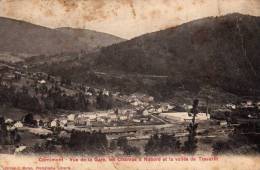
123, 18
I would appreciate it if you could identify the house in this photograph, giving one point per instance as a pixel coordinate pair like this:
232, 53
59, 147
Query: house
150, 99
63, 122
18, 124
83, 122
113, 117
42, 81
71, 117
136, 120
20, 149
100, 119
9, 121
159, 110
130, 115
54, 123
144, 120
92, 117
105, 92
167, 107
247, 103
123, 117
135, 103
103, 114
231, 106
145, 113
151, 110
88, 94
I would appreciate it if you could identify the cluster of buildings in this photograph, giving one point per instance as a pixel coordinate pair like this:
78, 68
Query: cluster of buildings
102, 118
143, 114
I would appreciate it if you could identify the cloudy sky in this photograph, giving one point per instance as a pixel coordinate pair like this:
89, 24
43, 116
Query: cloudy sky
124, 18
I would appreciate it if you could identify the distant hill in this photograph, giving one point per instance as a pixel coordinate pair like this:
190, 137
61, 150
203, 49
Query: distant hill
221, 52
93, 39
19, 37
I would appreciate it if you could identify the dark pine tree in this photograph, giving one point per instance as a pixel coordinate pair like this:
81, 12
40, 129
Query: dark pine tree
191, 144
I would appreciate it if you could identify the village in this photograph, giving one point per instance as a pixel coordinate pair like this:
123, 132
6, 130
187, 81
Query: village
57, 109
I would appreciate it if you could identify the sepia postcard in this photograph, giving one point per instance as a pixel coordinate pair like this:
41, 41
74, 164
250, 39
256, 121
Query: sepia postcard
129, 84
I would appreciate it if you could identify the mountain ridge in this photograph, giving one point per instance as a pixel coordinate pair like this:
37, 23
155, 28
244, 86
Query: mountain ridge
221, 52
24, 37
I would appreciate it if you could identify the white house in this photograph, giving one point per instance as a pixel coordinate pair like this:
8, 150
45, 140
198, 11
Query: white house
113, 117
145, 113
20, 149
18, 124
122, 117
136, 120
71, 117
54, 123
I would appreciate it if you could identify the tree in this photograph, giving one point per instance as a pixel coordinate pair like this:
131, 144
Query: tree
126, 148
104, 101
163, 144
95, 142
207, 93
191, 144
131, 150
45, 147
152, 145
169, 144
243, 140
122, 142
113, 145
28, 119
3, 131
